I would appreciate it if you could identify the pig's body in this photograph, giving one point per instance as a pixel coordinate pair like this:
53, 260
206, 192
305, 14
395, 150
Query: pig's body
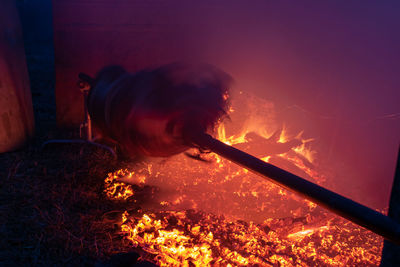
148, 112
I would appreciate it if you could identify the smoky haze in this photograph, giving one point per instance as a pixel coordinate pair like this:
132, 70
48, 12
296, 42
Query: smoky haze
330, 68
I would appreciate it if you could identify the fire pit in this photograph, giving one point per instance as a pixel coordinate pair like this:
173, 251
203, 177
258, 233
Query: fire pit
217, 213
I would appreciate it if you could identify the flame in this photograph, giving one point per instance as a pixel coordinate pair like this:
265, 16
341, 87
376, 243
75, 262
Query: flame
284, 136
303, 150
266, 159
231, 140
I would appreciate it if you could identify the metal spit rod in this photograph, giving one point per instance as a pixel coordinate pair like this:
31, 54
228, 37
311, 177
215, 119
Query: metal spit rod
345, 207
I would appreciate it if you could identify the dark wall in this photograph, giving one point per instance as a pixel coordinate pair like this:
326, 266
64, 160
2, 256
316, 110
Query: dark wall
36, 20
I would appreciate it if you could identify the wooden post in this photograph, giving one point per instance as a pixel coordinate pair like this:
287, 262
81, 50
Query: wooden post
16, 112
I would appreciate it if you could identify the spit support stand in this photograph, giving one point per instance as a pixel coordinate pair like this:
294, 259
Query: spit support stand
85, 128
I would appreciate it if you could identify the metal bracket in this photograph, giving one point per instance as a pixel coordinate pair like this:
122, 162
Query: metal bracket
85, 83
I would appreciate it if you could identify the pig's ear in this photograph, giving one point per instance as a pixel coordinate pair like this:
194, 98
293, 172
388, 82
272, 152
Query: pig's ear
86, 78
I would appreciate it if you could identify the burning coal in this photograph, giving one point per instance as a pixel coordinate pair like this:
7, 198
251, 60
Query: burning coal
193, 238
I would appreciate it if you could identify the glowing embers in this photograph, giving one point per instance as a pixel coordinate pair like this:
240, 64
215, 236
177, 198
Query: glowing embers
218, 187
115, 189
299, 235
192, 238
